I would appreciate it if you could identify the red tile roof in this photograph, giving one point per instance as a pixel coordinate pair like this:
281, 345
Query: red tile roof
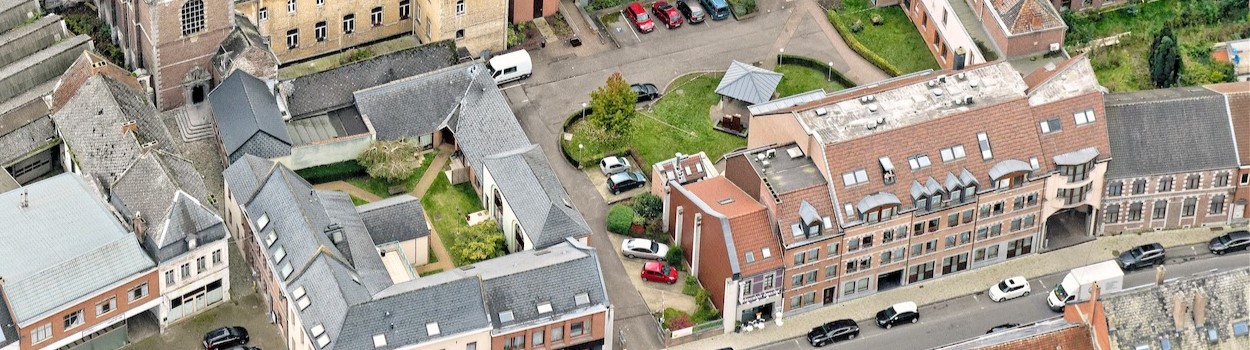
724, 197
1238, 95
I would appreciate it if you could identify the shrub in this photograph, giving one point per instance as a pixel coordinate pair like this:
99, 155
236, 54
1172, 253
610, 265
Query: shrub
356, 55
648, 206
390, 161
676, 319
332, 172
620, 217
674, 256
986, 51
691, 287
877, 20
857, 27
478, 242
1131, 9
706, 310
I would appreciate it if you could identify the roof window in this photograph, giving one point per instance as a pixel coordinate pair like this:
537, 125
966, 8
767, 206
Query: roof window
379, 340
581, 299
505, 316
544, 308
431, 328
262, 221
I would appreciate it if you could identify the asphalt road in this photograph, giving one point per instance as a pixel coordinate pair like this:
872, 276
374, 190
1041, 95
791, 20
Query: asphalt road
971, 316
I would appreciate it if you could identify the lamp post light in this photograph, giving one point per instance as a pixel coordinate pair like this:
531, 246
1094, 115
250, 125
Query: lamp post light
581, 150
782, 51
830, 70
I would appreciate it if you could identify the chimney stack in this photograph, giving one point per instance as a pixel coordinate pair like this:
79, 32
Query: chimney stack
1200, 309
1160, 273
130, 127
140, 226
1179, 310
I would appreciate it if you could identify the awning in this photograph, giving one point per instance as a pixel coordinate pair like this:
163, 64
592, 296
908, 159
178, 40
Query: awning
1007, 167
808, 213
1077, 157
876, 200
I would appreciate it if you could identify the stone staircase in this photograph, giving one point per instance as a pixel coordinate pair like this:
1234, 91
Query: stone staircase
194, 122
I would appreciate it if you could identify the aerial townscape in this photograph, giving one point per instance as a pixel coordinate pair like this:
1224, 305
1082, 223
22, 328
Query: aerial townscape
624, 174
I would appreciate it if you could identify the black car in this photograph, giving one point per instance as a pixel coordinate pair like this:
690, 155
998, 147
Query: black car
646, 92
833, 332
904, 312
1002, 327
244, 347
225, 337
624, 181
1230, 242
693, 14
1142, 256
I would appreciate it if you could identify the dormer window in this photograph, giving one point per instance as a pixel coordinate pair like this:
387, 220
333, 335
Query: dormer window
810, 223
887, 170
877, 207
1009, 173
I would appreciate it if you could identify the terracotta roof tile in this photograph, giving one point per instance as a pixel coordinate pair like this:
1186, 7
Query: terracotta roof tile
724, 197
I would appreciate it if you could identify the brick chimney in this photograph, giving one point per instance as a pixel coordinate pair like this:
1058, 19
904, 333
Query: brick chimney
1179, 310
140, 225
130, 127
1160, 273
1200, 309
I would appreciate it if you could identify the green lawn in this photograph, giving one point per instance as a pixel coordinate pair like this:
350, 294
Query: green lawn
382, 189
1124, 66
800, 79
896, 40
447, 206
357, 201
680, 122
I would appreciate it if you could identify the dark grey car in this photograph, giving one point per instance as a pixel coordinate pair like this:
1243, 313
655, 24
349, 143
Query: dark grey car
624, 181
694, 14
1230, 242
1142, 256
646, 92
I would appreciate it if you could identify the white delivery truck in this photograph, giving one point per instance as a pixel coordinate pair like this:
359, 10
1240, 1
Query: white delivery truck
510, 66
1076, 285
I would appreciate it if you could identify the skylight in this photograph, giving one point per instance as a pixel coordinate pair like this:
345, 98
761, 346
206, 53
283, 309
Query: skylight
379, 340
279, 254
303, 303
272, 237
431, 328
544, 308
323, 340
318, 330
581, 299
1240, 329
262, 221
766, 252
298, 292
286, 269
505, 316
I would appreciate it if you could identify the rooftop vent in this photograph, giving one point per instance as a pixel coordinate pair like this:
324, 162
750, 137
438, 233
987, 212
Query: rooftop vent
872, 107
467, 267
961, 76
968, 99
541, 252
936, 92
764, 163
973, 84
771, 153
726, 201
793, 152
867, 98
581, 299
822, 111
931, 83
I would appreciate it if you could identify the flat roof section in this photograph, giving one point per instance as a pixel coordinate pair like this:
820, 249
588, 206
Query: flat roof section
785, 168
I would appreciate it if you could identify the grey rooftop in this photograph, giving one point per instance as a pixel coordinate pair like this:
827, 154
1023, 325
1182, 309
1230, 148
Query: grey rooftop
784, 172
1168, 131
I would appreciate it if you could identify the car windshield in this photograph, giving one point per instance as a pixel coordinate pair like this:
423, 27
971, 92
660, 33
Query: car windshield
1060, 293
655, 247
665, 270
1136, 252
1002, 286
696, 11
889, 313
1224, 239
642, 17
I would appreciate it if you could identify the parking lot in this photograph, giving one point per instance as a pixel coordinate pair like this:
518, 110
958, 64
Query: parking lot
628, 35
657, 295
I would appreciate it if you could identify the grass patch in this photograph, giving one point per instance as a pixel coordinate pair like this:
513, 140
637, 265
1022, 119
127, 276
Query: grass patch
1124, 66
382, 188
433, 257
610, 18
896, 40
678, 123
799, 79
357, 201
430, 272
447, 205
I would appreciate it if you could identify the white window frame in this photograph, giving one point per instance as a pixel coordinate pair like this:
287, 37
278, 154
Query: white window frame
349, 23
321, 3
405, 9
263, 14
41, 334
290, 6
375, 16
460, 8
854, 177
953, 153
112, 306
983, 140
292, 39
142, 290
319, 31
1084, 117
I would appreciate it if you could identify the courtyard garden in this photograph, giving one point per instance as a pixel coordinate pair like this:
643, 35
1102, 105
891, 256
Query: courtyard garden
1125, 66
357, 175
679, 122
884, 36
447, 206
799, 79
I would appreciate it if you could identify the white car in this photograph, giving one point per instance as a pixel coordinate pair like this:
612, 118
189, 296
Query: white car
613, 165
643, 248
1010, 288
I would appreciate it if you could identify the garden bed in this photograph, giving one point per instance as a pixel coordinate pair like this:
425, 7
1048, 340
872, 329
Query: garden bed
895, 45
679, 122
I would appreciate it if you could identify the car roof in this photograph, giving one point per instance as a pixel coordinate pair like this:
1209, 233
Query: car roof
1238, 234
625, 175
904, 307
635, 6
1015, 281
638, 242
613, 160
652, 266
844, 322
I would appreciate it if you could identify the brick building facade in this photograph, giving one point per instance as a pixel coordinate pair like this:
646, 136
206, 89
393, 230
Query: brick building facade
943, 33
1237, 95
304, 29
1021, 27
172, 42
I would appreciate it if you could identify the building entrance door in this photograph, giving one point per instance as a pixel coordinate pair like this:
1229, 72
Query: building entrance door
829, 294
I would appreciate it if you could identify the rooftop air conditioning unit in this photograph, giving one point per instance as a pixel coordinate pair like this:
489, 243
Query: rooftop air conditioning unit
931, 83
961, 76
1054, 47
967, 100
822, 111
942, 79
867, 98
872, 107
936, 92
973, 84
764, 163
771, 153
761, 156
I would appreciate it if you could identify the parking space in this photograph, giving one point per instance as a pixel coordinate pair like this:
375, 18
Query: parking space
627, 34
657, 295
601, 185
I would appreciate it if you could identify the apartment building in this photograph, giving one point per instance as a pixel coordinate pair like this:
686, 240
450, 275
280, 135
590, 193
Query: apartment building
477, 25
684, 168
943, 33
1237, 96
991, 166
170, 44
1168, 178
304, 29
727, 237
326, 284
1021, 27
80, 281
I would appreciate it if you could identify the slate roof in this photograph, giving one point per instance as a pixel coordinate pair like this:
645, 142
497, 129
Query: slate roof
245, 49
91, 125
1145, 141
484, 124
27, 138
455, 304
332, 89
186, 216
748, 83
415, 106
47, 266
166, 191
519, 282
1024, 16
539, 201
395, 219
1147, 314
243, 107
8, 331
244, 176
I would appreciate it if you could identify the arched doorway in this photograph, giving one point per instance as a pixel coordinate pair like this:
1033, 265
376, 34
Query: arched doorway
496, 204
197, 84
197, 94
1068, 227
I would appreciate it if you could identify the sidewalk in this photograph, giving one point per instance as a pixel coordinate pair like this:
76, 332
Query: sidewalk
343, 186
961, 284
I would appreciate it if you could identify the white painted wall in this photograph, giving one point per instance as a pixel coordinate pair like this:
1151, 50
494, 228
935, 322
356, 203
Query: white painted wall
219, 271
952, 29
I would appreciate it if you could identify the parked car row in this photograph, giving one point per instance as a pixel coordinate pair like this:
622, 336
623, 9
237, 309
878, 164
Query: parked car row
674, 15
620, 178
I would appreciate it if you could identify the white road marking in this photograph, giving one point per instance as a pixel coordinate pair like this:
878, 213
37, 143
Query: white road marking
1039, 281
974, 298
630, 24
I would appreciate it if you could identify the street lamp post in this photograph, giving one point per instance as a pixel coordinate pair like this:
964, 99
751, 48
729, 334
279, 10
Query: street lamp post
581, 150
830, 70
782, 52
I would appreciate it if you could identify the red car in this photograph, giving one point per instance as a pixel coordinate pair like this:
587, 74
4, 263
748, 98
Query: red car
666, 14
639, 17
658, 272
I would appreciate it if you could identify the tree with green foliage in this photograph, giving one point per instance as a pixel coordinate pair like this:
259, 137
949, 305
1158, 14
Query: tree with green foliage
674, 257
1165, 59
648, 206
478, 242
612, 106
390, 161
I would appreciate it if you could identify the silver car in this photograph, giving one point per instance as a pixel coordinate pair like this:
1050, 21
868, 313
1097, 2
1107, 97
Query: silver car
613, 165
643, 248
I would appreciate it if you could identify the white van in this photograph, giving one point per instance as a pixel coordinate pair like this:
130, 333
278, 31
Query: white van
510, 66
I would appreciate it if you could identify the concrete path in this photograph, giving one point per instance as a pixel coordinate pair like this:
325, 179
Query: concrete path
853, 66
962, 284
343, 186
440, 251
431, 173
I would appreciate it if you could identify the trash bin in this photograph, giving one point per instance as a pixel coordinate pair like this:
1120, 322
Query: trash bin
575, 41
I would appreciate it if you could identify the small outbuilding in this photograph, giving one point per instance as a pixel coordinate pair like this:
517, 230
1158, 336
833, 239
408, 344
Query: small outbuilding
747, 83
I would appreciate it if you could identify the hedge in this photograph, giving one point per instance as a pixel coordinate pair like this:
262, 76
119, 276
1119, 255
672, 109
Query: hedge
859, 47
332, 172
620, 218
568, 123
831, 74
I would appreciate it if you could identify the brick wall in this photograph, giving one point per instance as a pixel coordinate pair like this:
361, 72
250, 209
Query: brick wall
1173, 217
713, 265
174, 56
594, 326
88, 308
523, 10
1032, 43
